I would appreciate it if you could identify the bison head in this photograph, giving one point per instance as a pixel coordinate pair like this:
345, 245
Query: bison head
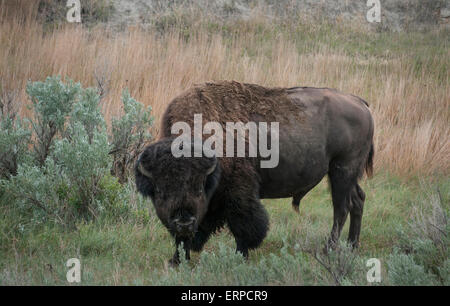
180, 188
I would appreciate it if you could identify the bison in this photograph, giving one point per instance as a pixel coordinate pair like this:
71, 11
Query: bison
321, 131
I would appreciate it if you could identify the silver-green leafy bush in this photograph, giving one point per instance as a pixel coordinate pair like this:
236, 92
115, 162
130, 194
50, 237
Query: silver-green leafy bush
83, 162
404, 271
129, 135
14, 140
14, 136
214, 268
342, 266
40, 192
66, 175
422, 255
87, 113
52, 102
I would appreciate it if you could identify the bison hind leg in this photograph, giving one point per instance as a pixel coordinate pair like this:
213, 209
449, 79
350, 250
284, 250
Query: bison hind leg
342, 180
357, 198
347, 197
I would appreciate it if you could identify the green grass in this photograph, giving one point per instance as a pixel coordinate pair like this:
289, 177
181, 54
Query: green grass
135, 252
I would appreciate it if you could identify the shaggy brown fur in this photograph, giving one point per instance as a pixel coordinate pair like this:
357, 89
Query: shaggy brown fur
230, 101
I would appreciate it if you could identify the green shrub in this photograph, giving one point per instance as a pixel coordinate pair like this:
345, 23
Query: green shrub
67, 186
444, 273
129, 135
214, 268
404, 271
14, 135
66, 176
14, 140
87, 112
342, 266
83, 162
52, 102
39, 192
425, 243
115, 199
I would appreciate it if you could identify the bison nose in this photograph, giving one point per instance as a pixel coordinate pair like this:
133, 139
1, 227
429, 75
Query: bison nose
185, 226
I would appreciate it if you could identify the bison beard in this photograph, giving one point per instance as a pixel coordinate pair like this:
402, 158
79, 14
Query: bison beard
322, 131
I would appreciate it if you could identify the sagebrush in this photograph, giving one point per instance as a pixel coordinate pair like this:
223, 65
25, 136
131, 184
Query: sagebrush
61, 179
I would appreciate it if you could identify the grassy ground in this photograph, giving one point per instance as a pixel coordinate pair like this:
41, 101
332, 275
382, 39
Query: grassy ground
136, 252
404, 76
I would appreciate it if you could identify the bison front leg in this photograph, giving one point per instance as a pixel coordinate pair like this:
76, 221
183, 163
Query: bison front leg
248, 221
175, 261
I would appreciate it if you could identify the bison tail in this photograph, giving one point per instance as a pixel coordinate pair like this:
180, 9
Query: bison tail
369, 161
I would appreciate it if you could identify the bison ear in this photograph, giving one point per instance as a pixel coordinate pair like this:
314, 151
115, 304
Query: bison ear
212, 179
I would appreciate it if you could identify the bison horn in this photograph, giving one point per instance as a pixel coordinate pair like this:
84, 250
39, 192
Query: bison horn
143, 171
212, 168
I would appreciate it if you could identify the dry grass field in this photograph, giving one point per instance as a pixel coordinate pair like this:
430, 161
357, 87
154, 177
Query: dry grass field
403, 76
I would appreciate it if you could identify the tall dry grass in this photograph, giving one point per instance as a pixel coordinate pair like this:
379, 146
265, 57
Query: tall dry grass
410, 104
